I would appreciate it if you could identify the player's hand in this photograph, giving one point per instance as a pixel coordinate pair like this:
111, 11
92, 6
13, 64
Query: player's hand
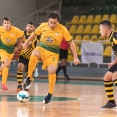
25, 46
76, 61
111, 64
15, 49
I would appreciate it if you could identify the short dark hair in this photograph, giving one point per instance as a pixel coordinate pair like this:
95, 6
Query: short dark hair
31, 23
6, 18
106, 23
54, 15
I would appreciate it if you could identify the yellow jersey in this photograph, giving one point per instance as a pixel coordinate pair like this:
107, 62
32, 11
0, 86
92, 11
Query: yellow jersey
8, 39
51, 38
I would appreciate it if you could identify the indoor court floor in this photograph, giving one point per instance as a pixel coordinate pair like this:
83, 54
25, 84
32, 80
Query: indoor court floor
73, 98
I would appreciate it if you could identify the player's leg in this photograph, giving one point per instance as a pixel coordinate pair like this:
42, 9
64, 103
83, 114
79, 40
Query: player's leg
22, 62
50, 63
108, 83
31, 66
5, 71
1, 68
63, 63
52, 79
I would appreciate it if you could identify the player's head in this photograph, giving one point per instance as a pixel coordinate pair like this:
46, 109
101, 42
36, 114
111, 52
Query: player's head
105, 28
53, 19
6, 22
30, 27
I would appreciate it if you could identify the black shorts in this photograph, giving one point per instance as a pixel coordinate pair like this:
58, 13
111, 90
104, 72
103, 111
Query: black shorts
23, 60
113, 68
63, 54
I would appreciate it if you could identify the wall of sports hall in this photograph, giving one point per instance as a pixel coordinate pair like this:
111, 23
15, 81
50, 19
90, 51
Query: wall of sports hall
18, 10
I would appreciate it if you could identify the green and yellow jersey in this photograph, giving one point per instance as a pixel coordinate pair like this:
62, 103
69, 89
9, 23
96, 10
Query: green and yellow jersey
28, 53
8, 39
51, 38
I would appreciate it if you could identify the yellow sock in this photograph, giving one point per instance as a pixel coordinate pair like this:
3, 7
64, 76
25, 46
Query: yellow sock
52, 80
32, 64
5, 75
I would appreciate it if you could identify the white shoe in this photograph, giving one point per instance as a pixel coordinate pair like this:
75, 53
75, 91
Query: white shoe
36, 72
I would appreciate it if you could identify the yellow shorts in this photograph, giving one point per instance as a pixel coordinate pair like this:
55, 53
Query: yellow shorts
48, 57
5, 55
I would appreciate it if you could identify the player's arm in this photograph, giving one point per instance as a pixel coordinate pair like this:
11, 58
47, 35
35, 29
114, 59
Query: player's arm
73, 49
29, 40
19, 44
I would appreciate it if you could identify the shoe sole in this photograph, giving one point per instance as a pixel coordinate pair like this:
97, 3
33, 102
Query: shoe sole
18, 90
3, 88
27, 87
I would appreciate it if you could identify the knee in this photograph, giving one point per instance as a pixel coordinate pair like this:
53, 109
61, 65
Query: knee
20, 66
51, 70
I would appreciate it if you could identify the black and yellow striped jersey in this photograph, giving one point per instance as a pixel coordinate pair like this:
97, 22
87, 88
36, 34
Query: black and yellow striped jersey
28, 53
113, 40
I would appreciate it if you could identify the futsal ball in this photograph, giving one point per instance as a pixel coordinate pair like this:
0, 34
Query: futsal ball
23, 96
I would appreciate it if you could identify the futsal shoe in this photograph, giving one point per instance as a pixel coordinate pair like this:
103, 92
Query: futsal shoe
67, 77
109, 105
47, 98
4, 87
27, 83
19, 88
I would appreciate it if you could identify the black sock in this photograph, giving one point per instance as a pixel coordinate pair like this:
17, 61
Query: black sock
59, 68
64, 71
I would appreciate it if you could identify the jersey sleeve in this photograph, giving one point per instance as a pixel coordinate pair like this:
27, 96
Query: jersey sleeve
38, 30
67, 35
20, 33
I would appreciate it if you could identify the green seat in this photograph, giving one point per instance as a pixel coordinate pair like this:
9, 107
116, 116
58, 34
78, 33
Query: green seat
106, 9
108, 2
92, 11
99, 10
113, 9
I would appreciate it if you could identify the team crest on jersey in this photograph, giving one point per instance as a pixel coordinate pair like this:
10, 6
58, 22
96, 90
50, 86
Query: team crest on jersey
8, 40
12, 34
57, 33
49, 40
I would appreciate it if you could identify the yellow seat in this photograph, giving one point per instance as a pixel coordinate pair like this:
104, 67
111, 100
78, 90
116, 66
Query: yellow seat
113, 18
72, 29
97, 19
78, 39
89, 19
87, 29
82, 19
85, 38
74, 20
102, 39
113, 26
107, 52
94, 38
95, 29
70, 55
79, 53
80, 29
72, 37
105, 17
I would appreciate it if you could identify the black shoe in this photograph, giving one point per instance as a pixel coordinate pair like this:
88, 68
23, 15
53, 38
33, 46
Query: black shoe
47, 98
27, 83
19, 88
109, 105
67, 78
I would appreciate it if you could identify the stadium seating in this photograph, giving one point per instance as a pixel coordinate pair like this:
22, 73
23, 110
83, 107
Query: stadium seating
107, 51
74, 20
97, 19
72, 29
89, 19
80, 29
87, 29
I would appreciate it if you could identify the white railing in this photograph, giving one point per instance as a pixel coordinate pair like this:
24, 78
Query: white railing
39, 16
